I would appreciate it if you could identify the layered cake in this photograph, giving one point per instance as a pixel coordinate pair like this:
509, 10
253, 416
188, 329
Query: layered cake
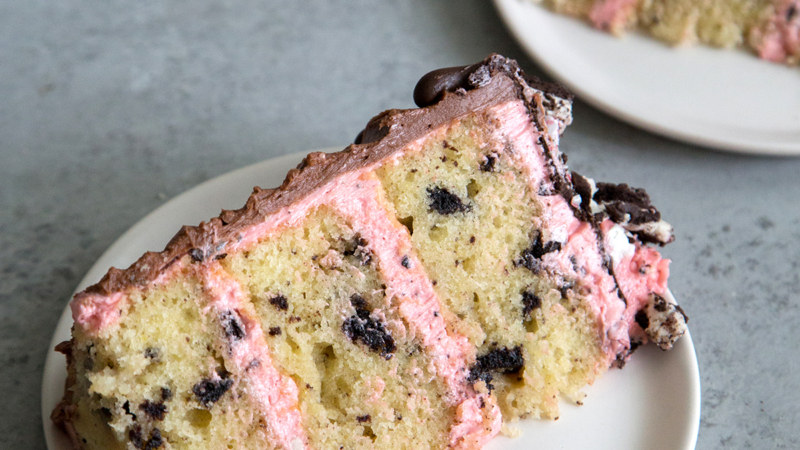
441, 276
770, 28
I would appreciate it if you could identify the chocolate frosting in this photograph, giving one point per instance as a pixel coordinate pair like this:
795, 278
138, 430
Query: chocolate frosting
432, 86
447, 94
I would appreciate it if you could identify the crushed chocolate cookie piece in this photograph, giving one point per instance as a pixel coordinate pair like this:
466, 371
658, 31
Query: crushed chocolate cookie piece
488, 165
135, 436
152, 353
197, 255
279, 301
622, 357
532, 256
232, 326
166, 394
500, 360
127, 408
363, 419
530, 301
155, 440
642, 319
359, 303
357, 248
625, 204
406, 262
660, 304
584, 189
154, 410
445, 202
209, 391
370, 332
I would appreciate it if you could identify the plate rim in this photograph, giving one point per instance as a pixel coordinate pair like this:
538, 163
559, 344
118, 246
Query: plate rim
717, 142
55, 364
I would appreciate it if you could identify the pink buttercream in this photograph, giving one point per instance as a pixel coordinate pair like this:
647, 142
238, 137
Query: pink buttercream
517, 130
275, 394
94, 312
638, 275
578, 239
474, 425
612, 15
779, 39
419, 305
599, 286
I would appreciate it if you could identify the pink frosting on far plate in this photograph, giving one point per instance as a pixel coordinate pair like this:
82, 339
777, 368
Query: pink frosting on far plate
779, 39
612, 15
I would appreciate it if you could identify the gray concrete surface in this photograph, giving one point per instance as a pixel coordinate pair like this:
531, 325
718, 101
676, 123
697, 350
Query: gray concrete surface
107, 109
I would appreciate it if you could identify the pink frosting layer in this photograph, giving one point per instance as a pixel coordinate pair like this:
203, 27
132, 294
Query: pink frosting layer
560, 224
275, 394
779, 39
450, 354
95, 312
418, 303
600, 288
639, 273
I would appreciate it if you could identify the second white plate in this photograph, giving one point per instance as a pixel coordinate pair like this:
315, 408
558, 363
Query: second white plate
653, 403
728, 100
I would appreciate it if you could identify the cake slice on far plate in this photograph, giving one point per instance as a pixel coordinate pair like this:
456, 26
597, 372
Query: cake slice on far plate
768, 28
441, 276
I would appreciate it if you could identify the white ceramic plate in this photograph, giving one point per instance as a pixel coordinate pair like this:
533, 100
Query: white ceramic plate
653, 403
728, 100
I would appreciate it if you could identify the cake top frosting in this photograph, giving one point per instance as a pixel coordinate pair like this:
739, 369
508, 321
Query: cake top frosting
445, 95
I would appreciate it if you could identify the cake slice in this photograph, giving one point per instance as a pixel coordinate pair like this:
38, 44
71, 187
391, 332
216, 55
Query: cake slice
769, 28
441, 276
